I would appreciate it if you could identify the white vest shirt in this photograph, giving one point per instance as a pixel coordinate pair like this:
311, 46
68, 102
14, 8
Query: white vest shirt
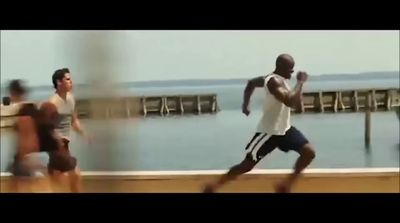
276, 115
65, 110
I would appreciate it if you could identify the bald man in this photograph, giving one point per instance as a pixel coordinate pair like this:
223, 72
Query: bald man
274, 129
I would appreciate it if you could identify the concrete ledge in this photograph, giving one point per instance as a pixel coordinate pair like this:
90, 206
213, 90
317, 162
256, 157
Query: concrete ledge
313, 180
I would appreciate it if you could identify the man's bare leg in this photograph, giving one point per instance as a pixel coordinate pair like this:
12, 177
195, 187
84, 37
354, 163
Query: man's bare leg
307, 154
245, 166
56, 180
75, 180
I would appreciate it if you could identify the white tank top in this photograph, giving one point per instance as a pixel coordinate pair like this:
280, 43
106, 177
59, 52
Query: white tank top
65, 110
276, 115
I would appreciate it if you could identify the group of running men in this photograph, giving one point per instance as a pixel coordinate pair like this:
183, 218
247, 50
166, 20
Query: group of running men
46, 128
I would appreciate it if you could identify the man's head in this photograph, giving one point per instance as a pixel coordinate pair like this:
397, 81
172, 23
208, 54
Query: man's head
17, 91
62, 80
284, 65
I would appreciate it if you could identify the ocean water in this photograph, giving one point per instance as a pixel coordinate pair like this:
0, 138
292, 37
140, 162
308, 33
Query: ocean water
229, 96
217, 141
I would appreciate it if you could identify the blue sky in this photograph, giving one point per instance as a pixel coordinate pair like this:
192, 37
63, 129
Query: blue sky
165, 55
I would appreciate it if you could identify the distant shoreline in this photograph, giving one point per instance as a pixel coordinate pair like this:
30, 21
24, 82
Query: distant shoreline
211, 82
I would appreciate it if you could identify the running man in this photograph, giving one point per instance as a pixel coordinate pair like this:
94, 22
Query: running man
65, 103
36, 133
274, 129
25, 164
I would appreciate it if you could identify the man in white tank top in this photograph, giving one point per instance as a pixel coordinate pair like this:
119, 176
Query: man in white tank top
63, 99
274, 129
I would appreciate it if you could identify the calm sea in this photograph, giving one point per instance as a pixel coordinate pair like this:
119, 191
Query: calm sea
217, 141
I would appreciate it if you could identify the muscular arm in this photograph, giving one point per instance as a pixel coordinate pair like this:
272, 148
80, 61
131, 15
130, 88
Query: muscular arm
76, 124
251, 85
289, 98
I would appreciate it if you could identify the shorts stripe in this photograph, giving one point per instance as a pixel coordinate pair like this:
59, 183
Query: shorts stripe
258, 146
254, 142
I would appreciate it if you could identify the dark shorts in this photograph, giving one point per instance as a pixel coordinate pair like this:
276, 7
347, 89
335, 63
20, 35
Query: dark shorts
262, 143
61, 160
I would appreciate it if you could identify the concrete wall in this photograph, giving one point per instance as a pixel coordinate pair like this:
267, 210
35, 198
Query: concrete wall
378, 180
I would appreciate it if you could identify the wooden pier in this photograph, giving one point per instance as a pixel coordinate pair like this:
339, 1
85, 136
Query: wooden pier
349, 101
164, 105
319, 102
129, 107
147, 105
